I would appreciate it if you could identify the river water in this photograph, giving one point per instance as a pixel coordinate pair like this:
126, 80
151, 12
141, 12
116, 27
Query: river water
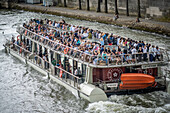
23, 89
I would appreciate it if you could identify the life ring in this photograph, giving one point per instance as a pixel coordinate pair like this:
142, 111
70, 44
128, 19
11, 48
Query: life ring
26, 32
65, 50
61, 73
20, 51
17, 37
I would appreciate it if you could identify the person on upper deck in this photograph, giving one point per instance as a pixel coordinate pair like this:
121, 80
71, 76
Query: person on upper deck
104, 56
133, 54
158, 54
140, 51
77, 33
145, 53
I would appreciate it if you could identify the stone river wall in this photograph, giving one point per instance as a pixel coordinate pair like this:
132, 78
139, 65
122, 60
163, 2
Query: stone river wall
149, 8
124, 21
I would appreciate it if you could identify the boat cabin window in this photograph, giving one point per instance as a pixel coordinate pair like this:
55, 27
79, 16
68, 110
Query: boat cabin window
74, 66
58, 59
35, 47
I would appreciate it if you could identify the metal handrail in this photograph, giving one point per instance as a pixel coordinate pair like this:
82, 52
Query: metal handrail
73, 48
48, 62
82, 53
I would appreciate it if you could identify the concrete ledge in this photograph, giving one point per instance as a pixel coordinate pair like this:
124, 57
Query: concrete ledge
124, 21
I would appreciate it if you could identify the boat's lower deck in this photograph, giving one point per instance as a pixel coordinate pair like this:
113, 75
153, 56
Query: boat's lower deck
75, 83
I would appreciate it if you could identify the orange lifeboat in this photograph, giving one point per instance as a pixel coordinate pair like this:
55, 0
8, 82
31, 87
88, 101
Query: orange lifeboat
136, 81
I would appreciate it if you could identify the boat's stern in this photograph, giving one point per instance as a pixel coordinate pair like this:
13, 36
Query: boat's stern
92, 93
128, 80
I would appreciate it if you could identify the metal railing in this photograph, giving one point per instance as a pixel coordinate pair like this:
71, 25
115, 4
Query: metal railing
47, 66
67, 29
89, 58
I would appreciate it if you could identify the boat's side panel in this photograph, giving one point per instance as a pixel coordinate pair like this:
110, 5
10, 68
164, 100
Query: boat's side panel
37, 68
86, 91
76, 92
66, 85
12, 52
94, 93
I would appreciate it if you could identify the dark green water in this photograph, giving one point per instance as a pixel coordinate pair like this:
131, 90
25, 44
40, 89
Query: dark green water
23, 89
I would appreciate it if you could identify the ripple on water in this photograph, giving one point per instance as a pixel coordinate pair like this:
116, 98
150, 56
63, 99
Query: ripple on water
113, 107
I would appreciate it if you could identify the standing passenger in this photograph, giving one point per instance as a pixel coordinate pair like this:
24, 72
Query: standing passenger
158, 53
140, 51
133, 54
145, 53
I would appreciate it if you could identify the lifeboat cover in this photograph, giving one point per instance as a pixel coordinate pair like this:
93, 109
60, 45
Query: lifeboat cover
136, 81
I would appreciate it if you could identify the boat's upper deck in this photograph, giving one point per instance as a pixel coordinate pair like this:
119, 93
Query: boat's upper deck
91, 47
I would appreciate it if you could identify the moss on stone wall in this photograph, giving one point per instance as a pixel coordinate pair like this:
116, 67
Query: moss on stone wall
163, 19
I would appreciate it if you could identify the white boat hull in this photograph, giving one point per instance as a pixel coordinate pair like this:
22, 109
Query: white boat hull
86, 91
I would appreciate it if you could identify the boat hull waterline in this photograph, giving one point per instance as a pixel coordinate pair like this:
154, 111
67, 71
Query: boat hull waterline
131, 81
86, 91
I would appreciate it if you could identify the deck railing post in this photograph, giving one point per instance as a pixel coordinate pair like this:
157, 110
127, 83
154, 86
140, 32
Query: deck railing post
77, 82
79, 56
84, 57
97, 59
90, 60
52, 69
135, 58
43, 64
122, 59
65, 76
74, 81
70, 79
148, 56
40, 62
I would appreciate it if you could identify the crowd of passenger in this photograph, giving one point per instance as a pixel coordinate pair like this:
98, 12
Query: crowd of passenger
81, 39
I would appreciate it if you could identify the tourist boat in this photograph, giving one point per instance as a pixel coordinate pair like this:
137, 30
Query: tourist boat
97, 81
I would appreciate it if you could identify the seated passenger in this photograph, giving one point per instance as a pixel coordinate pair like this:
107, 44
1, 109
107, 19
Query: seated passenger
102, 42
104, 56
77, 42
113, 50
109, 40
128, 58
85, 35
118, 60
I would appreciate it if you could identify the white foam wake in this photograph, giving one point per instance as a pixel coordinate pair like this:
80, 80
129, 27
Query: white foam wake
112, 107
